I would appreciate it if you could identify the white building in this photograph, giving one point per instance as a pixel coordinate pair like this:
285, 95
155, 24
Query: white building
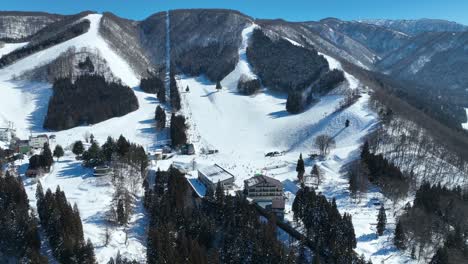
6, 134
211, 175
261, 188
38, 141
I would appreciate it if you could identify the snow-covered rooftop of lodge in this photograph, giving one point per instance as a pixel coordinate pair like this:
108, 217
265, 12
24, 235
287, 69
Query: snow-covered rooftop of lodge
215, 173
262, 179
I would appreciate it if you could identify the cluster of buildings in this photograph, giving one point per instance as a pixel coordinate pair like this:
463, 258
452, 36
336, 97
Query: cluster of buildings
263, 190
17, 145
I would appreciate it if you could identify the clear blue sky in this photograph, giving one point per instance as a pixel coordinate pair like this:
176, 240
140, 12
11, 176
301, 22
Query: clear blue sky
293, 10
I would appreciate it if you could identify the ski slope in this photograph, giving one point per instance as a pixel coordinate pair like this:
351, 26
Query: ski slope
25, 103
10, 47
244, 128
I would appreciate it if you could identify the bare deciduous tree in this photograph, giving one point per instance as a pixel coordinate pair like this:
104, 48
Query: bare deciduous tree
324, 143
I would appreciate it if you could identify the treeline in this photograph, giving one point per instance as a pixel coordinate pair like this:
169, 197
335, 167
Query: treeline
418, 152
444, 105
438, 218
418, 143
332, 233
282, 65
70, 64
298, 100
112, 150
174, 92
215, 61
19, 234
71, 32
214, 229
152, 84
178, 130
103, 100
381, 172
42, 161
63, 227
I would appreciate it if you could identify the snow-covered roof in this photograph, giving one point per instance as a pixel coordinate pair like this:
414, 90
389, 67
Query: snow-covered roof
216, 173
262, 179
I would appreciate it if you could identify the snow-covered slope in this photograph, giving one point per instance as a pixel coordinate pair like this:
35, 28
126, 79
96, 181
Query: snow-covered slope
9, 47
25, 104
244, 128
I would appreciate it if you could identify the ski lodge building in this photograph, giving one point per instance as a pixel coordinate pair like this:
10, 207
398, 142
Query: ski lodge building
211, 175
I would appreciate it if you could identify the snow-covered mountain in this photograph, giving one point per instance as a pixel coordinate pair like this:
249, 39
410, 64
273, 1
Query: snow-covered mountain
18, 25
203, 47
415, 26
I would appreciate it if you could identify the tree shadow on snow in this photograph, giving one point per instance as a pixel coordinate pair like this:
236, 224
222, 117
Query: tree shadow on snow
278, 114
209, 94
367, 237
40, 93
73, 170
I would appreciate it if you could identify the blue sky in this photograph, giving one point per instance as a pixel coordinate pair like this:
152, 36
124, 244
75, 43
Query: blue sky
294, 10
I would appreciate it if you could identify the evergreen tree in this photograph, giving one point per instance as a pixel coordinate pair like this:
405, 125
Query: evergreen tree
109, 148
174, 94
123, 146
78, 148
300, 168
46, 156
365, 151
218, 86
400, 238
93, 156
294, 103
161, 94
381, 221
187, 89
178, 130
440, 257
121, 212
58, 152
209, 194
219, 194
315, 172
160, 117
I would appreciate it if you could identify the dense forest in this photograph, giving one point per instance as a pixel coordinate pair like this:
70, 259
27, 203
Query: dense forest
215, 229
332, 232
63, 227
103, 100
437, 219
213, 61
151, 84
18, 226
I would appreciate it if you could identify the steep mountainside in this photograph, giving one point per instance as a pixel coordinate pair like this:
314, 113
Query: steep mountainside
378, 39
434, 58
123, 36
206, 41
414, 27
18, 25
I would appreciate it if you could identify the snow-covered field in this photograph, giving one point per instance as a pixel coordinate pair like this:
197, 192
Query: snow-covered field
242, 128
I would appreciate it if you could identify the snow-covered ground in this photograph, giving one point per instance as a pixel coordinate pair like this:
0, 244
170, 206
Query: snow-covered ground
242, 128
10, 47
25, 104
